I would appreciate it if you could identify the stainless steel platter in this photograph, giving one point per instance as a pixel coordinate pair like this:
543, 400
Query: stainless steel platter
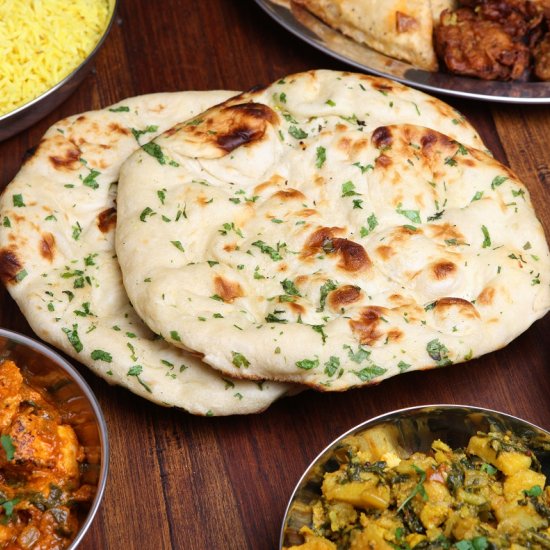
316, 33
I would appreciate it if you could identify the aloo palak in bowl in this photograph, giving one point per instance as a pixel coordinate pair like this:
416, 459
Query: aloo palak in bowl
394, 484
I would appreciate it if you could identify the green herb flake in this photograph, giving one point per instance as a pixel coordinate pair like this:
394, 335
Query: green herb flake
6, 222
486, 237
363, 167
90, 179
307, 364
269, 250
174, 335
330, 103
402, 366
477, 196
72, 335
321, 157
372, 223
326, 288
438, 352
101, 355
178, 245
332, 365
20, 275
7, 445
297, 133
498, 181
358, 356
413, 215
239, 360
121, 109
146, 213
348, 189
136, 370
369, 373
290, 288
417, 489
18, 201
488, 469
535, 491
155, 151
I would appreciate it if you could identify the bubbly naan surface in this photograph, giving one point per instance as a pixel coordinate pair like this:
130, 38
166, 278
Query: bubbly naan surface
57, 258
311, 232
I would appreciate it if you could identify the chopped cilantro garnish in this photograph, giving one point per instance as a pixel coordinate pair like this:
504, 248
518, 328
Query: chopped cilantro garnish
307, 364
321, 156
438, 352
269, 250
486, 237
498, 181
72, 335
239, 360
100, 355
297, 133
7, 445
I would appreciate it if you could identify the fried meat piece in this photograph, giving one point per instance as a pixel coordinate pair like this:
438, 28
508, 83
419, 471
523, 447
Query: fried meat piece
542, 58
517, 17
471, 46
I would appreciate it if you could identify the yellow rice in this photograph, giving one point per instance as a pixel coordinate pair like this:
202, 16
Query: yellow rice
42, 41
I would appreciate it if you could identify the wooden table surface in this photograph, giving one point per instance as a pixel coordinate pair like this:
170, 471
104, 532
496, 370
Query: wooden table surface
179, 481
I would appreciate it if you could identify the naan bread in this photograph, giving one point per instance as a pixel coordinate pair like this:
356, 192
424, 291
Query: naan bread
57, 258
309, 232
397, 28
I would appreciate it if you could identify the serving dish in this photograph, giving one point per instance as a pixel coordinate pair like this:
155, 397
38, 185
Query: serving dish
417, 428
313, 31
27, 114
68, 391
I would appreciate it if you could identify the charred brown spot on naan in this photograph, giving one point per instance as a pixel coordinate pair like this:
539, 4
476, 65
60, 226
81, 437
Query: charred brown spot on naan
227, 290
368, 327
68, 160
116, 128
464, 308
444, 231
443, 269
289, 195
296, 308
343, 296
385, 252
353, 256
10, 266
405, 23
314, 243
486, 296
231, 126
382, 138
47, 246
383, 161
106, 220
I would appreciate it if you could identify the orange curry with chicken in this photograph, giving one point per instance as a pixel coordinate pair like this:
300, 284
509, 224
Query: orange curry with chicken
40, 462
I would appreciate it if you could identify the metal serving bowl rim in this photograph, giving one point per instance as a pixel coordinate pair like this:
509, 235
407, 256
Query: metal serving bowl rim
380, 418
103, 435
50, 91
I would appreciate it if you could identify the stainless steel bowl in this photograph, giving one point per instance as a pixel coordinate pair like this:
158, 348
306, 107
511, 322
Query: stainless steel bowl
24, 116
64, 387
417, 427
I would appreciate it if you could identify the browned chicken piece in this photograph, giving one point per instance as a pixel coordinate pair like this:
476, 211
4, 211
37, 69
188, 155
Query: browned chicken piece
517, 17
471, 46
542, 58
10, 394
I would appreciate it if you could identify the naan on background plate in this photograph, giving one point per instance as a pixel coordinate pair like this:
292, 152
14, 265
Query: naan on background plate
397, 28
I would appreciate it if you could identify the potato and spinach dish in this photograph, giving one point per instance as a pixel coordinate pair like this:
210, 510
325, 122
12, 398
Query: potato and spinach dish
40, 469
489, 495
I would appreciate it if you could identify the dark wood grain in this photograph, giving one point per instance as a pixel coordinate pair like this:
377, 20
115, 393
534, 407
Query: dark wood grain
178, 481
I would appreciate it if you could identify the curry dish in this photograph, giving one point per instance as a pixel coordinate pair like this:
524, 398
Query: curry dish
40, 462
488, 496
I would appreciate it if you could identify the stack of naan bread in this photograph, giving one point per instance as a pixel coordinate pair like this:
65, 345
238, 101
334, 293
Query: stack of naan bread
215, 251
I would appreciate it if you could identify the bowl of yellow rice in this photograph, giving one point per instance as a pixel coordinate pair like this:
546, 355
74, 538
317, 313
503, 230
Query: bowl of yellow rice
46, 49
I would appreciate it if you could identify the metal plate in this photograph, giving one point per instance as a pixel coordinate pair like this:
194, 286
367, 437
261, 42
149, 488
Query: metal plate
307, 27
